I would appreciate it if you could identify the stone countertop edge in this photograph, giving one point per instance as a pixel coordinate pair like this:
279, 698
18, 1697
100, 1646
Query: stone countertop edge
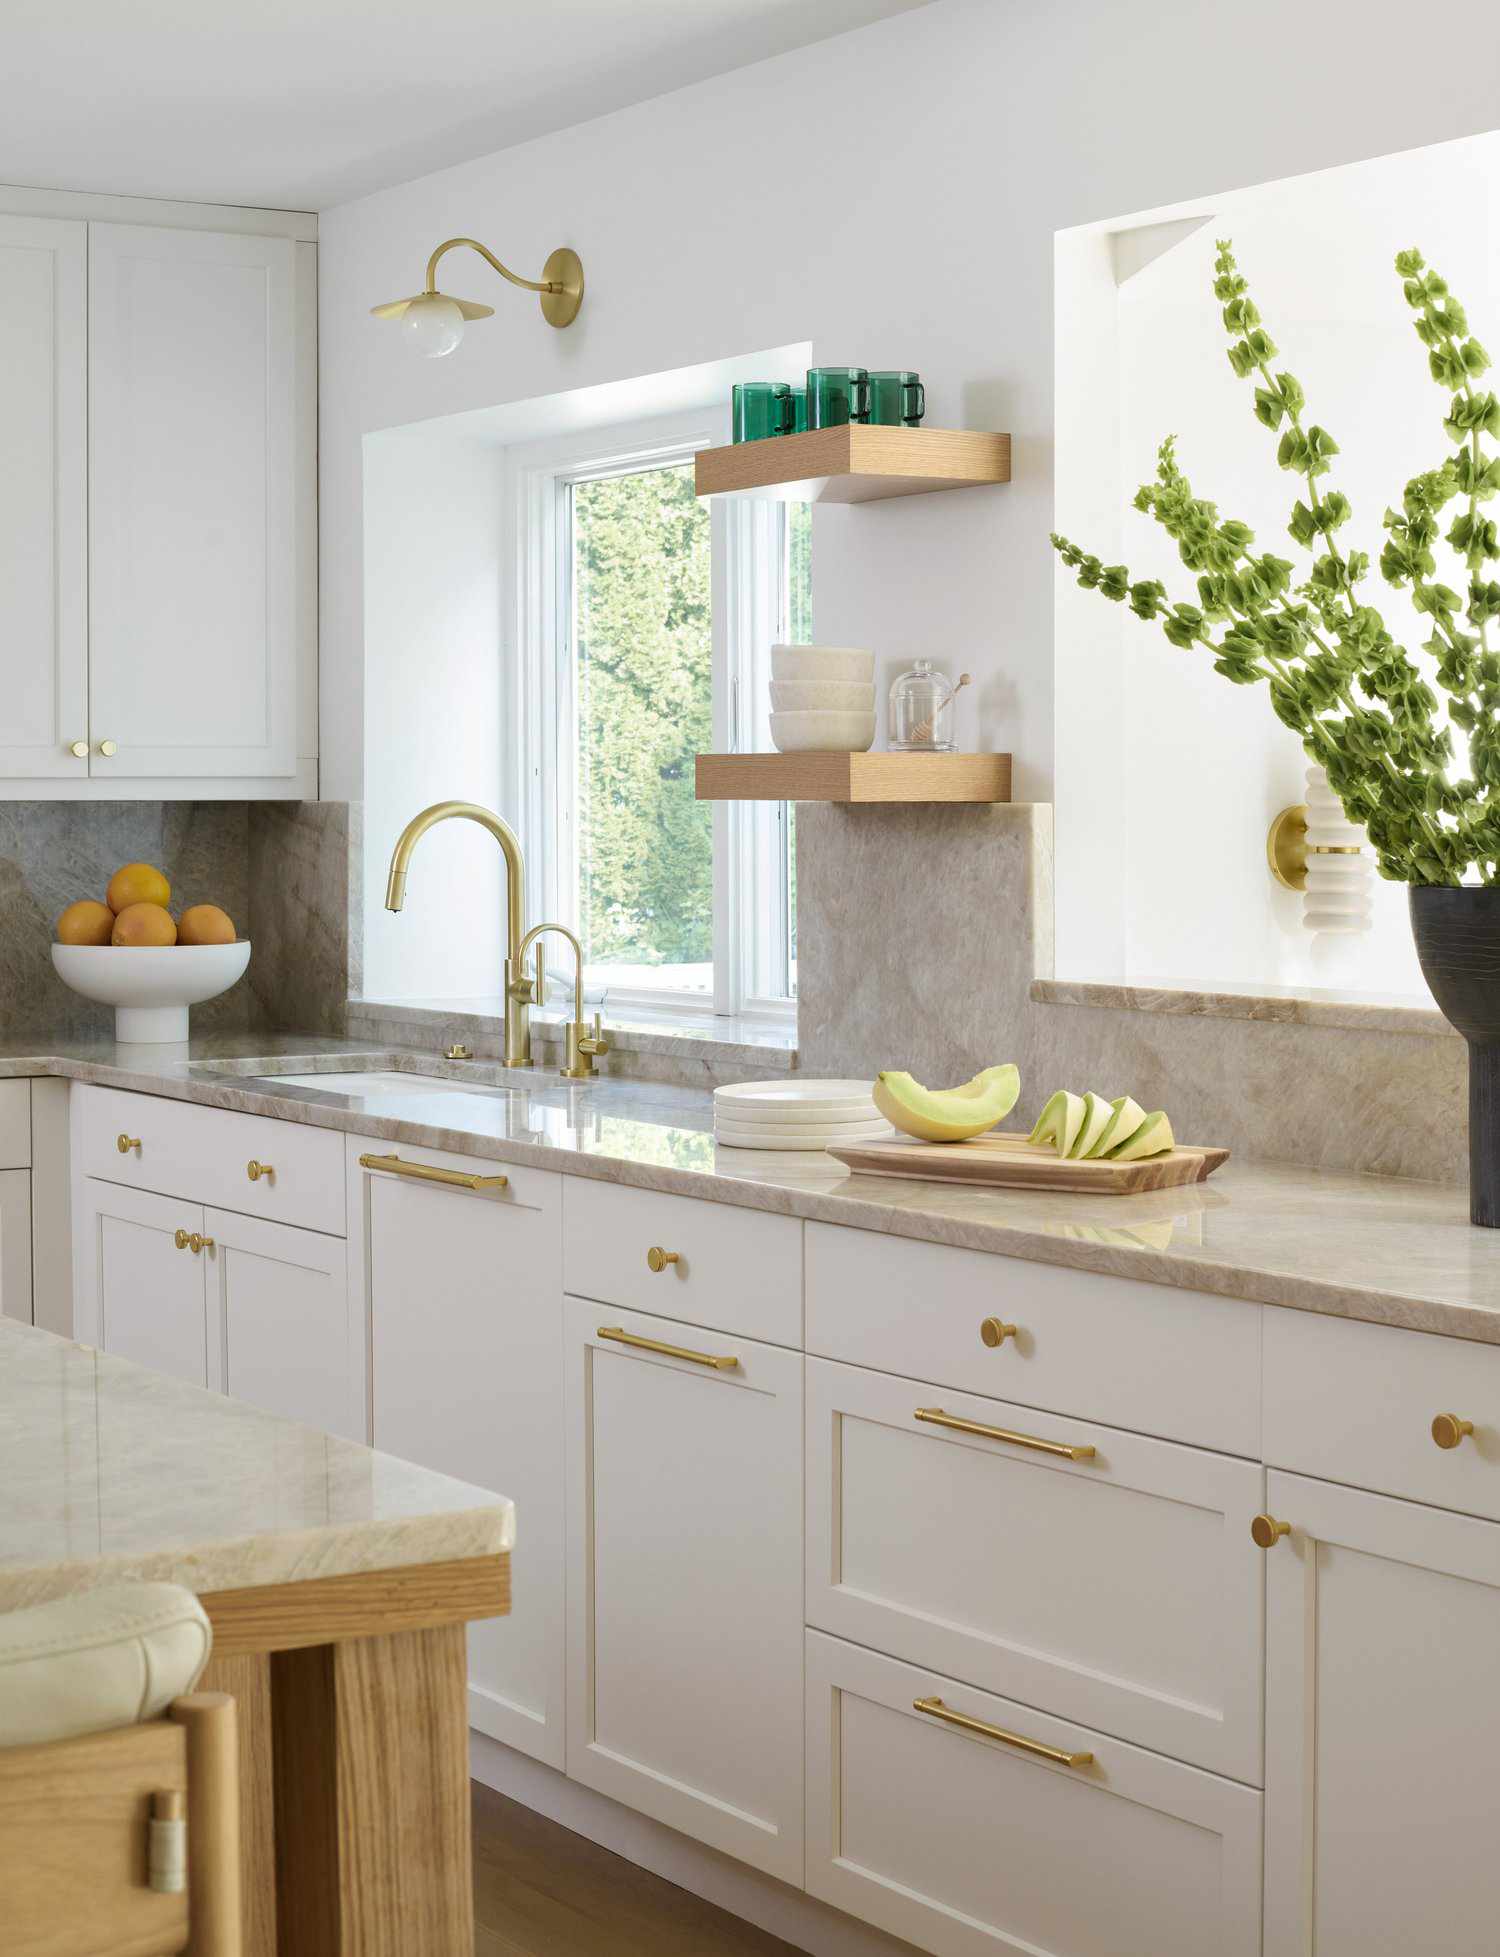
1372, 1015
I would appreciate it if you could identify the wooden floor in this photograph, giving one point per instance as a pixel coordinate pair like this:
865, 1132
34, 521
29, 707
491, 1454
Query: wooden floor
542, 1891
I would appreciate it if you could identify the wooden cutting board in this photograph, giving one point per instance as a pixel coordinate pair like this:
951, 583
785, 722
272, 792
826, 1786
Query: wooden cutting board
1011, 1162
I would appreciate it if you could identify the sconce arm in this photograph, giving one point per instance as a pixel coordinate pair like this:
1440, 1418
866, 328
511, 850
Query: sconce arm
531, 285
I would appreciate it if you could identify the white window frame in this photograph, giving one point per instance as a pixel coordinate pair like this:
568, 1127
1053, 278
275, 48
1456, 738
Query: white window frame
749, 607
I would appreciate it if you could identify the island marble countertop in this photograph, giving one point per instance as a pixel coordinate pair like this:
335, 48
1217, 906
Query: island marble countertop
1367, 1247
110, 1473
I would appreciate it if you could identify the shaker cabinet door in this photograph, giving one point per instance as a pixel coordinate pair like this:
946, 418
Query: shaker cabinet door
192, 485
139, 1291
43, 498
281, 1316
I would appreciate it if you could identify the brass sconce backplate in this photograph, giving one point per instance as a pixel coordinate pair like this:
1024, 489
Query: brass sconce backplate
1286, 847
563, 269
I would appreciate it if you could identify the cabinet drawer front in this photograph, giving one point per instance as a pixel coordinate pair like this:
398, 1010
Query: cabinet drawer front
1356, 1403
206, 1154
967, 1845
1122, 1589
15, 1124
1146, 1356
737, 1270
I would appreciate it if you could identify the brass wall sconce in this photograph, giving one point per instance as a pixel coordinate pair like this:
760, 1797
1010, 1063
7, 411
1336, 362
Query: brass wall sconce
434, 321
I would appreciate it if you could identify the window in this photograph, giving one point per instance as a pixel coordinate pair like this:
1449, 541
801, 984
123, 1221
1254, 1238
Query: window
645, 619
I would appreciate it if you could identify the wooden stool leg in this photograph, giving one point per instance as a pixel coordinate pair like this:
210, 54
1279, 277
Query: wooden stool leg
213, 1773
371, 1756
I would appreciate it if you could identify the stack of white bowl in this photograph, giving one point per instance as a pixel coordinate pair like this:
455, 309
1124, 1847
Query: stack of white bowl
796, 1114
822, 697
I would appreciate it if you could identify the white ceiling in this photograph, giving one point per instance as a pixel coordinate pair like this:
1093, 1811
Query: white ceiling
302, 104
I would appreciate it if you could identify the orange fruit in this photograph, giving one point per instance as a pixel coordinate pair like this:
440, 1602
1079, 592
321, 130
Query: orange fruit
144, 924
205, 924
85, 923
138, 883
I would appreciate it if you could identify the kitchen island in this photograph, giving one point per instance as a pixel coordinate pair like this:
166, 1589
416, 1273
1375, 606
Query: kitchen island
338, 1582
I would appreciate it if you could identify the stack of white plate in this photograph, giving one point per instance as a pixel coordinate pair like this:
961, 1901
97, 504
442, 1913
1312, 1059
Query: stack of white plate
796, 1114
822, 697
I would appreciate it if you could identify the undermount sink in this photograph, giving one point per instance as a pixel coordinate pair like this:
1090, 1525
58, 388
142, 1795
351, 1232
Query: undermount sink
381, 1081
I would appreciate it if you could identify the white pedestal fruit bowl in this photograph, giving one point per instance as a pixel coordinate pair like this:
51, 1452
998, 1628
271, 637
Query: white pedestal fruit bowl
151, 986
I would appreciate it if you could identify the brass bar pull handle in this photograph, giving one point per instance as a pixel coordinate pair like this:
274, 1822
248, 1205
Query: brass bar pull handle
1266, 1531
1448, 1430
658, 1259
995, 1331
125, 1143
258, 1170
1065, 1450
1058, 1755
713, 1360
392, 1165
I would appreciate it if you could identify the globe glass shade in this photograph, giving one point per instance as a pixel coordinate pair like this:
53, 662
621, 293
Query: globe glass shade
433, 324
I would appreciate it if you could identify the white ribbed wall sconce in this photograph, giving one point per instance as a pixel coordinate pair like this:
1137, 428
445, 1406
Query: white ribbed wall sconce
1314, 848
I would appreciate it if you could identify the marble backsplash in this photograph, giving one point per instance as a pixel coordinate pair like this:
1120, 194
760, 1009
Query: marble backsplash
282, 870
920, 934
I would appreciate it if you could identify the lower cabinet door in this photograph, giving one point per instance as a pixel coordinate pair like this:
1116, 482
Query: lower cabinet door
139, 1286
1015, 1831
279, 1317
684, 1578
464, 1293
15, 1244
1382, 1727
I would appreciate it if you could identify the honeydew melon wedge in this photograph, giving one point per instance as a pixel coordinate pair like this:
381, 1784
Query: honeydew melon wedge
947, 1114
1153, 1137
1097, 1115
1059, 1122
1126, 1117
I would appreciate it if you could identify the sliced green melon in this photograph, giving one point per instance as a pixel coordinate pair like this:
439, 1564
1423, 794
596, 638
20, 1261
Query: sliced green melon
1059, 1122
1125, 1117
1097, 1114
1153, 1137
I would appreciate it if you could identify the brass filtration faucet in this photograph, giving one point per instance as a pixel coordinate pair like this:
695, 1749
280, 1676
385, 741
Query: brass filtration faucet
521, 992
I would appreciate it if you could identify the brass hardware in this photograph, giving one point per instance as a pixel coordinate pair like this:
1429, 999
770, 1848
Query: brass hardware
995, 1331
1448, 1430
560, 286
79, 750
257, 1170
453, 1178
726, 1364
1286, 847
1266, 1531
457, 1052
1058, 1755
1334, 849
125, 1143
191, 1240
182, 1239
517, 1041
582, 1046
658, 1259
1065, 1450
107, 748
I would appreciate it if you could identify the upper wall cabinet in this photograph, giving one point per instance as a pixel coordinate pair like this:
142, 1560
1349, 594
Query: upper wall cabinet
158, 520
44, 496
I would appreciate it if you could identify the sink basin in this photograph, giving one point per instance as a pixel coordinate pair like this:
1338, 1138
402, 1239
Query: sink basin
384, 1081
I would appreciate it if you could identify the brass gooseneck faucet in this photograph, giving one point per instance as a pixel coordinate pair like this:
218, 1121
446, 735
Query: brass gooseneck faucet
521, 993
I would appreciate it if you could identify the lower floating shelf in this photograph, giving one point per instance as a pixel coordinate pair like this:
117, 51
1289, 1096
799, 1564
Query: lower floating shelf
836, 777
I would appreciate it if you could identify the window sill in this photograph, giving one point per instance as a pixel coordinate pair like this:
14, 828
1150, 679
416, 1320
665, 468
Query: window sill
1360, 1012
767, 1045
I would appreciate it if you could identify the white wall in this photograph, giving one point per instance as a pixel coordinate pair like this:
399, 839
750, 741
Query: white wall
891, 196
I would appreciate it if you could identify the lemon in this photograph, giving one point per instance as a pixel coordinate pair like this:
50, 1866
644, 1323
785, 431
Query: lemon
205, 924
138, 883
85, 923
144, 924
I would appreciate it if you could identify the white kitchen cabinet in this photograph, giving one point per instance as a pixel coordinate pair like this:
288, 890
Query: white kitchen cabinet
1382, 1725
139, 1291
464, 1294
43, 497
282, 1321
15, 1244
970, 1843
684, 1578
192, 491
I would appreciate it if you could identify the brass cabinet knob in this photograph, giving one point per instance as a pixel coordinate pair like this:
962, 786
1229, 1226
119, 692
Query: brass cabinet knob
1266, 1531
202, 1243
182, 1239
125, 1143
995, 1331
256, 1170
191, 1240
658, 1259
1448, 1430
79, 750
106, 748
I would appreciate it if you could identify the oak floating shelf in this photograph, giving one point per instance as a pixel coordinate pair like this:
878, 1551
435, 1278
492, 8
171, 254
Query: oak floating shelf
853, 777
858, 463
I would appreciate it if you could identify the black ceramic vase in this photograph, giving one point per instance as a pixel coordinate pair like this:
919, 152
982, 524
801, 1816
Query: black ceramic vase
1458, 942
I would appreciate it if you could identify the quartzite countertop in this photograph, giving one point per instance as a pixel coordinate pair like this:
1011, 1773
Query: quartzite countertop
1393, 1253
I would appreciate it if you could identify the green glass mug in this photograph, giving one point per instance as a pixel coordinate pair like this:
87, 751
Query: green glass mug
760, 409
897, 398
799, 411
836, 395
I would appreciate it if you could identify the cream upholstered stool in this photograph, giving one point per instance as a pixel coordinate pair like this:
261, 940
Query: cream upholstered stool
119, 1795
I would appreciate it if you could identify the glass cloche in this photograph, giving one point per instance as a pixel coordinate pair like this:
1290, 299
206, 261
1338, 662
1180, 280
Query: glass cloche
921, 716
